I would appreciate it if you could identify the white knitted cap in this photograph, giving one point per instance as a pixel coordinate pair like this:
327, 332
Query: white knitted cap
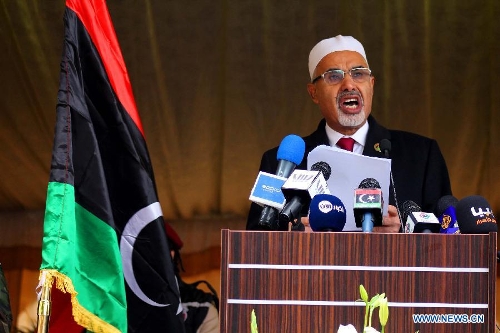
327, 46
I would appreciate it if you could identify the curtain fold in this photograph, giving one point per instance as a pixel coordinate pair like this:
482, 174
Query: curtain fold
218, 83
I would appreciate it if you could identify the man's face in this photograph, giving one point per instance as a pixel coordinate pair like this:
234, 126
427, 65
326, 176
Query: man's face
345, 105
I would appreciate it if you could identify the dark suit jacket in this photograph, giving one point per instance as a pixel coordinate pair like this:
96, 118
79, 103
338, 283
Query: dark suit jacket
418, 167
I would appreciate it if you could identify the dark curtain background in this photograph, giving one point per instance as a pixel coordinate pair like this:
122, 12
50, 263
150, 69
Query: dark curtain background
219, 82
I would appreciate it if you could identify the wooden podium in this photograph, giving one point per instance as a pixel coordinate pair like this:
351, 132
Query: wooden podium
309, 282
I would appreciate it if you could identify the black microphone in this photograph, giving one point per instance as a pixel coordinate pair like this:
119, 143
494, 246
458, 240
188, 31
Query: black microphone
474, 216
290, 154
299, 189
324, 167
368, 204
446, 212
298, 202
416, 221
385, 147
327, 213
408, 208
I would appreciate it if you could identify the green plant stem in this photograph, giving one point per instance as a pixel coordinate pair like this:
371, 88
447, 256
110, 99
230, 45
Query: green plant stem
366, 316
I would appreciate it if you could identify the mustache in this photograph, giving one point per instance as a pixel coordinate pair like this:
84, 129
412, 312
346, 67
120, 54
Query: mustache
349, 93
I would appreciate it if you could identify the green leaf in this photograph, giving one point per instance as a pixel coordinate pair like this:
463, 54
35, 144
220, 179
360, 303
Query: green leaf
373, 300
363, 293
383, 311
376, 301
253, 322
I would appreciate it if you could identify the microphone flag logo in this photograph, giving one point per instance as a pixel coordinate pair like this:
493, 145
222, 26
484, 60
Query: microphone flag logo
325, 206
367, 198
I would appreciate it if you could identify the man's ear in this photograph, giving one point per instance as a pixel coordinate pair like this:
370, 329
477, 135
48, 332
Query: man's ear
311, 89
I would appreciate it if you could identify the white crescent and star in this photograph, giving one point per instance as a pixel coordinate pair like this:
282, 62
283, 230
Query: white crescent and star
130, 233
370, 198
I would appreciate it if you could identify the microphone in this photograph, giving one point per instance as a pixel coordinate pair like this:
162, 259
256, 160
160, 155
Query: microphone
417, 221
474, 216
299, 189
368, 204
327, 213
408, 208
447, 215
324, 167
294, 208
385, 147
290, 154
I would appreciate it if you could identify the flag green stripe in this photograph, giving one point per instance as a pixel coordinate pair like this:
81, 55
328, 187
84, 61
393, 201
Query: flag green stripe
84, 248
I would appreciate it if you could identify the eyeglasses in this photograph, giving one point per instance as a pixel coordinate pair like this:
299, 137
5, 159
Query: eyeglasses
335, 76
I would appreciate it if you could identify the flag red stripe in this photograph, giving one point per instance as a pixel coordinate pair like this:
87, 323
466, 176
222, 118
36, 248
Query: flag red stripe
97, 21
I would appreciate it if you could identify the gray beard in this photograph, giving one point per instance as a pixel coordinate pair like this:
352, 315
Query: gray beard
351, 120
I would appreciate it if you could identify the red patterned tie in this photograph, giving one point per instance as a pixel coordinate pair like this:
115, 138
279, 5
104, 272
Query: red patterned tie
346, 143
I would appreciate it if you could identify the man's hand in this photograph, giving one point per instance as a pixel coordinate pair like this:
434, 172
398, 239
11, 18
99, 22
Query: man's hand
390, 222
305, 222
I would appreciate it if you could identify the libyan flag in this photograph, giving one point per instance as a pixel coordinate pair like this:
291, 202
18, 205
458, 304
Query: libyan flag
104, 242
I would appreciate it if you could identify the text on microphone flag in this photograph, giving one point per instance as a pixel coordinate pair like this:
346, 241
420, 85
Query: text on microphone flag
267, 190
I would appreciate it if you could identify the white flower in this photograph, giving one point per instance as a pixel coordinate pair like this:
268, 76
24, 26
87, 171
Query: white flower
370, 330
347, 329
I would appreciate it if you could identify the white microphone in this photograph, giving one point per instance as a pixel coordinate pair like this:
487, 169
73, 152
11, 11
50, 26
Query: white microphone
266, 190
417, 221
299, 189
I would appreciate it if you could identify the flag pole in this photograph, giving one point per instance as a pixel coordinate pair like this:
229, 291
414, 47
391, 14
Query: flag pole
43, 311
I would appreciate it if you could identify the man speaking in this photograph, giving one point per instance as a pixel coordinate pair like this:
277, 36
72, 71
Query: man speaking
342, 85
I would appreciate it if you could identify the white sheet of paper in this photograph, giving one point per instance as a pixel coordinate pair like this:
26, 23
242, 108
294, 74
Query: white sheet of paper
348, 170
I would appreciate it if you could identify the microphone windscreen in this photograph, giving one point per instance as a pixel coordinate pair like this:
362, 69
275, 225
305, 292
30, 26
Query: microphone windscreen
474, 216
385, 145
326, 213
448, 221
408, 208
369, 183
444, 203
324, 167
292, 148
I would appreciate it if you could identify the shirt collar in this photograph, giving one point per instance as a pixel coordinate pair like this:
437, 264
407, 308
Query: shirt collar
359, 137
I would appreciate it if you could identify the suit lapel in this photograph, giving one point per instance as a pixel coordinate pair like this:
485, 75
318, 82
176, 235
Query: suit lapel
375, 134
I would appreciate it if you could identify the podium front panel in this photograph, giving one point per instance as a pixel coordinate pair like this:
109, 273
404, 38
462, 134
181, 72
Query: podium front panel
309, 282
